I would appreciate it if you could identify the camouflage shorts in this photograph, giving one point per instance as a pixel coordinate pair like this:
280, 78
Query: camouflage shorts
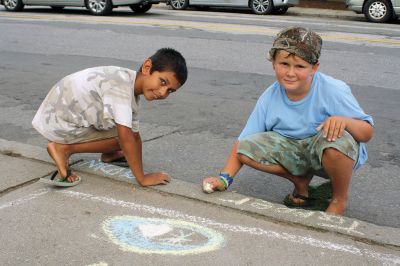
300, 157
95, 135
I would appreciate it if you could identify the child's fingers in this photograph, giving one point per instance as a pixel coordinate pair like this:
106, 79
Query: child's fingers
326, 128
320, 126
331, 130
210, 184
336, 133
342, 128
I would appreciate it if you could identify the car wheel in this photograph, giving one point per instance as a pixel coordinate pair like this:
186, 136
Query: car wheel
261, 7
378, 10
140, 8
179, 4
57, 8
279, 10
13, 5
99, 7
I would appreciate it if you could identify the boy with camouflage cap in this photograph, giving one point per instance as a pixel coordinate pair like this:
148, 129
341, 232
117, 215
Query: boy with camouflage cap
96, 111
304, 124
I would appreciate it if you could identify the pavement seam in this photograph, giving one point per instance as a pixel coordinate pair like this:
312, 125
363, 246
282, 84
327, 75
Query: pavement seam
161, 136
20, 185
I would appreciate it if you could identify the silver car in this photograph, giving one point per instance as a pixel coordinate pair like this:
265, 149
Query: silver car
96, 7
260, 7
376, 10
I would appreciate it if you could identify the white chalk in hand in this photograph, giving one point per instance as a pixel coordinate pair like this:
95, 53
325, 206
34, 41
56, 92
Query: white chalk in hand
208, 187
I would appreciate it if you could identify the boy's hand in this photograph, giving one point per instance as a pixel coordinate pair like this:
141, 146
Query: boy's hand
333, 127
153, 179
212, 183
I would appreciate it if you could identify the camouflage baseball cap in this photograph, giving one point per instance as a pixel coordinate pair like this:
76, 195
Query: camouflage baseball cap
299, 41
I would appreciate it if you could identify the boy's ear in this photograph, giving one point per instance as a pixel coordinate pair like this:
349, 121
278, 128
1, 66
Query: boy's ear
315, 67
146, 66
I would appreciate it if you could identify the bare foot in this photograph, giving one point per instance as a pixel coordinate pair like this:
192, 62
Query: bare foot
337, 207
109, 157
60, 157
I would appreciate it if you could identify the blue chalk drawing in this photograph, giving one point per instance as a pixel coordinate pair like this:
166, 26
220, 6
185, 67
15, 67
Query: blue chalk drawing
161, 236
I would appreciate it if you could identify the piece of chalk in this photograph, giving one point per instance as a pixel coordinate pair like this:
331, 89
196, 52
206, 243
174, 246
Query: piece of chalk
208, 188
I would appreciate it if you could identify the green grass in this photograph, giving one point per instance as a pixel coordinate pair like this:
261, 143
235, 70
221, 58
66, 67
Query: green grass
322, 194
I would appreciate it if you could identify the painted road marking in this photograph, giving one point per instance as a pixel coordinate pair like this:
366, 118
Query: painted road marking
161, 236
310, 241
352, 38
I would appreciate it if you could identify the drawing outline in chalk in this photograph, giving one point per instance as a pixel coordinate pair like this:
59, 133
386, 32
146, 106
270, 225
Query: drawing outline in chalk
161, 236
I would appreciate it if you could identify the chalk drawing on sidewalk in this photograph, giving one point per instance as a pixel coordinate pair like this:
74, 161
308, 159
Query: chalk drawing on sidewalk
101, 263
25, 199
107, 169
161, 236
328, 221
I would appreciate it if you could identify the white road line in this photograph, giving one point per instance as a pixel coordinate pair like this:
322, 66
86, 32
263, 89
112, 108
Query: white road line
386, 258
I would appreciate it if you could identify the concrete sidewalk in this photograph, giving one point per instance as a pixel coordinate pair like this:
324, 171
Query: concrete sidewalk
33, 159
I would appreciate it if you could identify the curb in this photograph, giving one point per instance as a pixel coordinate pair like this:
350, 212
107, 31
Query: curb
326, 13
308, 12
355, 229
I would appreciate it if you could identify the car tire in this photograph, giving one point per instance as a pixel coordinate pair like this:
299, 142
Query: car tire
378, 11
57, 8
13, 5
261, 7
141, 8
280, 10
179, 4
99, 7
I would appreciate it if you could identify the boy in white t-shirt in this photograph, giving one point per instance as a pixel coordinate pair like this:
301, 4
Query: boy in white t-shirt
96, 111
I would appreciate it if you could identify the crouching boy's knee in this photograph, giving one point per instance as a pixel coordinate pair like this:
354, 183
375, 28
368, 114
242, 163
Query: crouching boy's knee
332, 154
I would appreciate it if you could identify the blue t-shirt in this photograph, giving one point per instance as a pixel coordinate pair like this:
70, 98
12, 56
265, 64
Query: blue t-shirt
274, 111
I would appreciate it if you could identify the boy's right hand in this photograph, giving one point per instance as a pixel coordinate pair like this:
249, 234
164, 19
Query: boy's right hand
212, 183
153, 179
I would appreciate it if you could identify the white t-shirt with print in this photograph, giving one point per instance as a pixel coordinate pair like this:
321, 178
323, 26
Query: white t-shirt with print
95, 98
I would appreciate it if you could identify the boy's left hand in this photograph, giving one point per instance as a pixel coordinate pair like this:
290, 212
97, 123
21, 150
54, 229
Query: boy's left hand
333, 127
153, 179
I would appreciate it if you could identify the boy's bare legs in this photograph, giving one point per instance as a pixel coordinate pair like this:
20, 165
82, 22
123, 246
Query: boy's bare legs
111, 156
339, 168
61, 152
300, 182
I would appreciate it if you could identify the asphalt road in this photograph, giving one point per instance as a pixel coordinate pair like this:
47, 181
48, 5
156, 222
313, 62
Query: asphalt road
190, 134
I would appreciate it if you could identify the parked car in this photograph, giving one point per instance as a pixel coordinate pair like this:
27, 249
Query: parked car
260, 7
96, 7
376, 10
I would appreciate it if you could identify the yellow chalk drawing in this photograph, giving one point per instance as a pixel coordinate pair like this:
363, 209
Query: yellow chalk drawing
161, 236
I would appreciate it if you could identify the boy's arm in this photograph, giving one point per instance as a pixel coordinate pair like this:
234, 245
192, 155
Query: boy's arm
232, 167
335, 126
131, 145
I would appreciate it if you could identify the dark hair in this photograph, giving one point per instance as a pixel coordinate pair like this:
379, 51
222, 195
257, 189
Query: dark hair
168, 59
